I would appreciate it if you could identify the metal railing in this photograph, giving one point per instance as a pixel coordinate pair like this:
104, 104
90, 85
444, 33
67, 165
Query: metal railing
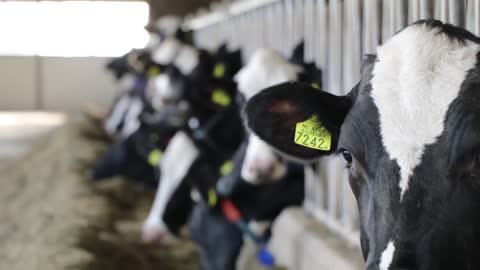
337, 33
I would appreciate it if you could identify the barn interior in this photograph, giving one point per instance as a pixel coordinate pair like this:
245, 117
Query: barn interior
56, 94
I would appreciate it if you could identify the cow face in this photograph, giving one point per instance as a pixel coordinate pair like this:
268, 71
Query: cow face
265, 68
409, 132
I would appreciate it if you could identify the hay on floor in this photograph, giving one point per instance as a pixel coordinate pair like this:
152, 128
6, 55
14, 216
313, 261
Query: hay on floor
52, 217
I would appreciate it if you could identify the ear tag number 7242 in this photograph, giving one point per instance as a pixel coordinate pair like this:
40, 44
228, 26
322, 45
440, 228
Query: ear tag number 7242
310, 133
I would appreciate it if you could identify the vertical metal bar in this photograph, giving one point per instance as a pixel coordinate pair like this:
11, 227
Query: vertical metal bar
300, 16
281, 20
322, 39
443, 11
388, 19
456, 14
309, 29
476, 17
425, 9
354, 47
413, 11
400, 15
335, 45
290, 36
370, 26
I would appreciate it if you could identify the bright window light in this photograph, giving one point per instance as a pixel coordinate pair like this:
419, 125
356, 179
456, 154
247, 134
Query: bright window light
72, 28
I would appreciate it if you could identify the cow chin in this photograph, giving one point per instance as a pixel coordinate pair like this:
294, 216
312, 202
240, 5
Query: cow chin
257, 178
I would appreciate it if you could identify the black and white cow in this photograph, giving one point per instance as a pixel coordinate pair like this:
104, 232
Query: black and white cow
213, 133
409, 134
267, 68
137, 71
219, 240
258, 175
162, 105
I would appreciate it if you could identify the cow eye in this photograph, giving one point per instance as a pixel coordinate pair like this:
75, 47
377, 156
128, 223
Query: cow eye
347, 156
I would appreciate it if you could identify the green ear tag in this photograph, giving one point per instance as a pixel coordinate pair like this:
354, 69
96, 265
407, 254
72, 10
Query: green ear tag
316, 85
153, 71
220, 97
154, 157
219, 71
212, 197
226, 168
310, 133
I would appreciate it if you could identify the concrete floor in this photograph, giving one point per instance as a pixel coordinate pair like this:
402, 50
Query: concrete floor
302, 243
20, 130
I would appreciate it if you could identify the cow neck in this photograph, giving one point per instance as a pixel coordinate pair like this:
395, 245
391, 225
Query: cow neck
214, 132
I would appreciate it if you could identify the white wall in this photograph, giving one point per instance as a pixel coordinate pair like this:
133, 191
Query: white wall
54, 83
17, 83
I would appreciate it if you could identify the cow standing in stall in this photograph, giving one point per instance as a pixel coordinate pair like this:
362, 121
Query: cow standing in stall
214, 131
258, 174
219, 240
409, 132
142, 137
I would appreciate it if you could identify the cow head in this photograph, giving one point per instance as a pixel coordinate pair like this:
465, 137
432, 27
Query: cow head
265, 68
409, 132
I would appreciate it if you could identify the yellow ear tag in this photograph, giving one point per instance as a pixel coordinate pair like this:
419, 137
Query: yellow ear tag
316, 85
310, 133
220, 97
226, 168
154, 157
212, 197
153, 71
219, 71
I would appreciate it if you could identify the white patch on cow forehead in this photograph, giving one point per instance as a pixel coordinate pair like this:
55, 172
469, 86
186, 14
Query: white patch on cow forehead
265, 68
167, 51
179, 156
168, 25
418, 74
387, 256
187, 59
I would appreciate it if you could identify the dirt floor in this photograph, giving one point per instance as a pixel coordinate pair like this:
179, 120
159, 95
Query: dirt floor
52, 217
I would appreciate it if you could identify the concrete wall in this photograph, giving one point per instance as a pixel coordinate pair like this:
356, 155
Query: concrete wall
54, 83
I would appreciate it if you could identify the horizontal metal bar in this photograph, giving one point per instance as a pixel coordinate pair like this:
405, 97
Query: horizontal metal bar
234, 9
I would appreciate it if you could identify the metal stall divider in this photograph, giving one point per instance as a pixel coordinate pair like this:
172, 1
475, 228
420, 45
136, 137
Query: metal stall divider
337, 33
473, 16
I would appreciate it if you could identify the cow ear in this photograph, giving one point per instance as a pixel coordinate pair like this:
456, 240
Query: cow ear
298, 54
297, 119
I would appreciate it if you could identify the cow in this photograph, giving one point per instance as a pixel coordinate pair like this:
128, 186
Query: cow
213, 132
408, 132
219, 240
267, 68
258, 173
134, 122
